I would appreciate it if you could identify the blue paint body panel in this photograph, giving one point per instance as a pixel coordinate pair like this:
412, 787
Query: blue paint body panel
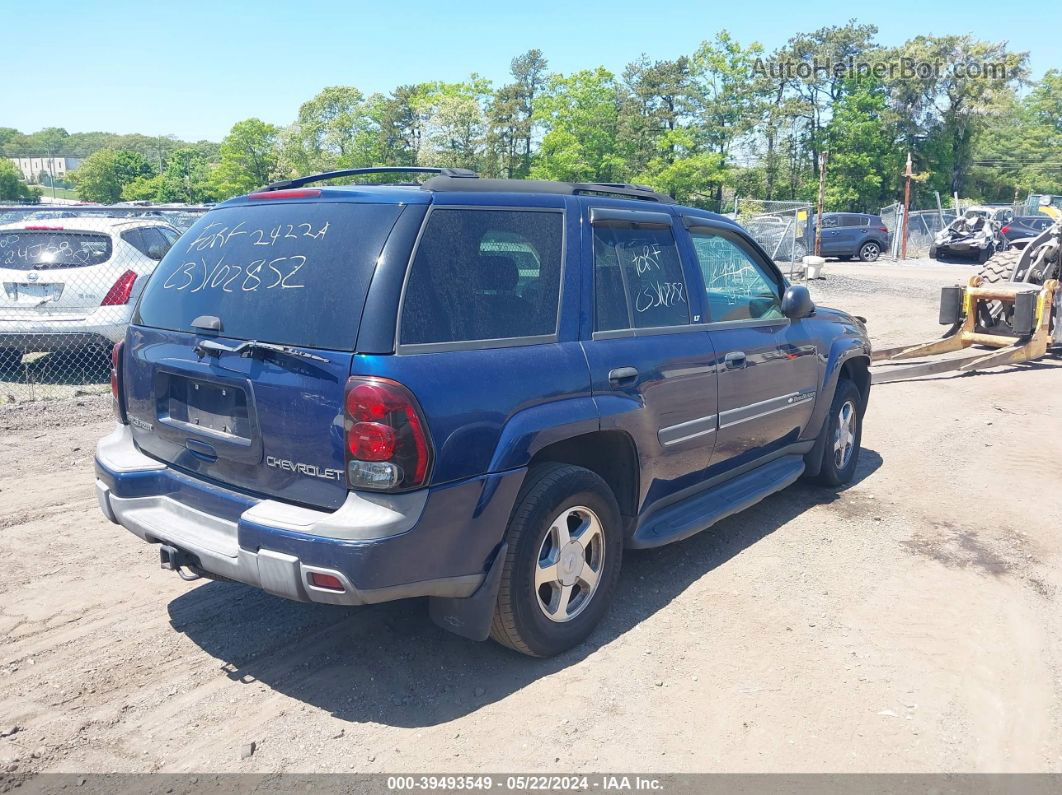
226, 426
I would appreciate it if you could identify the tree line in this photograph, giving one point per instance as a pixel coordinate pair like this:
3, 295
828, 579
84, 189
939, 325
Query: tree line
725, 120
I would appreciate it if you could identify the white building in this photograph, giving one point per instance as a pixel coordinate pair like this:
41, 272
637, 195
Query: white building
32, 167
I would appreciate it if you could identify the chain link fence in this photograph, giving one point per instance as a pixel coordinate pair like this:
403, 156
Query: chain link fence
69, 279
922, 227
780, 227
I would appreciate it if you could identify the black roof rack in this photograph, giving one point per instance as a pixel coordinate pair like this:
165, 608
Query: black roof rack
462, 179
298, 182
614, 189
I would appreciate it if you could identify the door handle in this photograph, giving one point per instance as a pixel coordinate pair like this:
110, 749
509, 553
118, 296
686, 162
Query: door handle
621, 374
734, 360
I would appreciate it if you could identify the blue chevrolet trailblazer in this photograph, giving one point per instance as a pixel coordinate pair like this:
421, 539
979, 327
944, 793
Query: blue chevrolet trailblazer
475, 390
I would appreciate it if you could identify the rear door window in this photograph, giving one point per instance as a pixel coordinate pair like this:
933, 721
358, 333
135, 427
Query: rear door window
638, 279
294, 273
482, 274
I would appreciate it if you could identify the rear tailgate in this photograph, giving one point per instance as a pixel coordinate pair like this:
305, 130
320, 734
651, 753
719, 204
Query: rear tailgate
262, 421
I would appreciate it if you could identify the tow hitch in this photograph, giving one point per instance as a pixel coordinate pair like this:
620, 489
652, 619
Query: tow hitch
177, 560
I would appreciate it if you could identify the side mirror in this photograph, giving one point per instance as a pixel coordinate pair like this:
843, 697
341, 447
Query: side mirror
797, 303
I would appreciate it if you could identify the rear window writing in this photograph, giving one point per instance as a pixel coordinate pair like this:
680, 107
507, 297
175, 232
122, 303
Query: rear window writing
40, 250
289, 273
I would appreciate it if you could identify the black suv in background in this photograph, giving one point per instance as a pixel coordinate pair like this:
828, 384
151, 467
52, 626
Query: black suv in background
1024, 226
847, 235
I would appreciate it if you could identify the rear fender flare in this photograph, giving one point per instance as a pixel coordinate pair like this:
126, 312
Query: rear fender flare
531, 429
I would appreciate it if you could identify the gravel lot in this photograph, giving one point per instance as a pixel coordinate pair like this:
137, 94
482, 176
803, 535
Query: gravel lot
909, 623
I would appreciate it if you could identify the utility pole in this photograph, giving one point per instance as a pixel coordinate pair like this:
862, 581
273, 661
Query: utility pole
906, 206
822, 196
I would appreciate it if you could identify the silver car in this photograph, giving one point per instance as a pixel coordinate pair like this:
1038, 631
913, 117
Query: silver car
73, 281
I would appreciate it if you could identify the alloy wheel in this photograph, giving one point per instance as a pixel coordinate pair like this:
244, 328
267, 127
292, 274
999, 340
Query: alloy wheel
569, 566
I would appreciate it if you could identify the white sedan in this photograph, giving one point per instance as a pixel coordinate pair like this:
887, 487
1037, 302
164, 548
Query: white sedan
73, 281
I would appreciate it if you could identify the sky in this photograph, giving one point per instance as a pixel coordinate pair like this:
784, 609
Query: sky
193, 68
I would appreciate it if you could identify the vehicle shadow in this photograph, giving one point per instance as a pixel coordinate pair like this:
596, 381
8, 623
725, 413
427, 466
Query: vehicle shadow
389, 664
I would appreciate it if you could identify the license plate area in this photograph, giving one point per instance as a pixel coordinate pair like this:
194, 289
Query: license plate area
23, 292
206, 407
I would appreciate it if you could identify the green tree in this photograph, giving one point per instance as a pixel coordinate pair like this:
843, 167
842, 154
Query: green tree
186, 178
659, 99
865, 161
104, 175
97, 179
327, 132
249, 158
143, 189
11, 186
1017, 152
453, 123
730, 94
580, 114
816, 89
948, 107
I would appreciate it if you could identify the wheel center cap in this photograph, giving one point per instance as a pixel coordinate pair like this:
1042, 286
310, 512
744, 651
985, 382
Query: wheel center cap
570, 563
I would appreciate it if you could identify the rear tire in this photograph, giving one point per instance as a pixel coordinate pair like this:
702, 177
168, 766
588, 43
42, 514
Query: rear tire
560, 570
986, 253
843, 430
869, 251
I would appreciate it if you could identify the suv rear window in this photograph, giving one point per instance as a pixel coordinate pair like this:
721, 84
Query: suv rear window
291, 273
39, 250
484, 275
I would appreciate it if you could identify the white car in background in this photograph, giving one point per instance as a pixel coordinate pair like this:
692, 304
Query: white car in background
73, 281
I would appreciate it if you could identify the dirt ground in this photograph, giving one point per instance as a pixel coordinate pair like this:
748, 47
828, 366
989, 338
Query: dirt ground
909, 623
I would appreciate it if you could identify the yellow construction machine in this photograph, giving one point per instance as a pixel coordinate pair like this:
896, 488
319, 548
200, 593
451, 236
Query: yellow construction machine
1014, 306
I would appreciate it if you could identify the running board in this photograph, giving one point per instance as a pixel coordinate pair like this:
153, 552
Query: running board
701, 511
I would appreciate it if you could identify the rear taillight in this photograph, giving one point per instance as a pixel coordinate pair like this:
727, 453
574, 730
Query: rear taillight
1005, 229
120, 292
116, 382
883, 229
387, 445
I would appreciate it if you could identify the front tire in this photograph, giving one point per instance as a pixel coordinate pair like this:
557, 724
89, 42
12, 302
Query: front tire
843, 430
563, 560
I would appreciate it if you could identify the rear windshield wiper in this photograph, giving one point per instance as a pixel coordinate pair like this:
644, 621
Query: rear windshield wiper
251, 347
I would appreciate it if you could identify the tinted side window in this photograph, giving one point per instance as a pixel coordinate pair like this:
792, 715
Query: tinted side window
829, 221
854, 220
737, 286
155, 244
135, 239
483, 275
637, 279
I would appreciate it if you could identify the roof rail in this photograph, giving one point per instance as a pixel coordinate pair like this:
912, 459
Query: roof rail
298, 182
622, 189
486, 185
